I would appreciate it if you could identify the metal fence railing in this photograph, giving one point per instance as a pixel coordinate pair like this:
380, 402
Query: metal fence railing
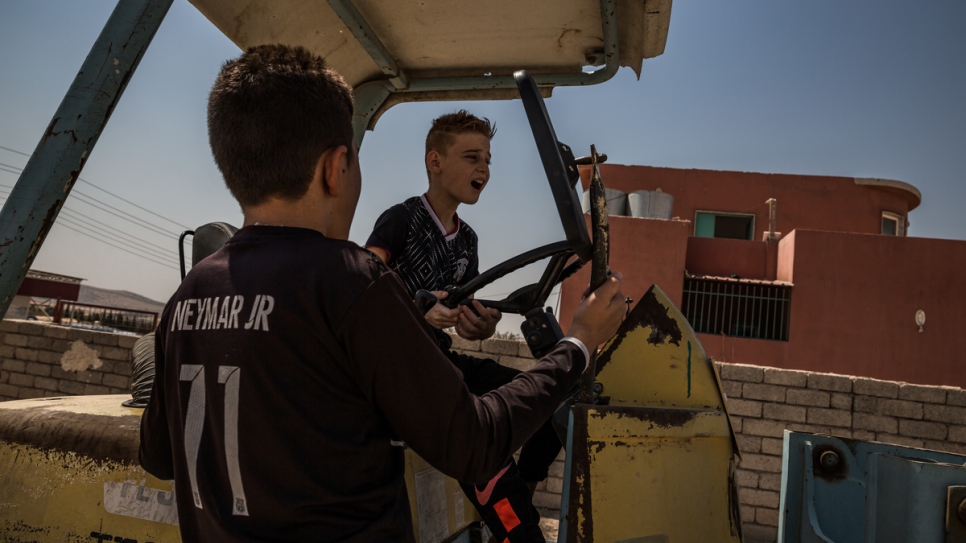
104, 318
756, 310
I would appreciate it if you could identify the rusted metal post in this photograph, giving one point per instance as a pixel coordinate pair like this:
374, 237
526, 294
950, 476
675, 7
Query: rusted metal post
59, 311
35, 201
600, 269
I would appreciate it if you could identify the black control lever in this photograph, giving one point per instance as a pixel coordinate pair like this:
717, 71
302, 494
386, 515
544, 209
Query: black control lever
589, 159
425, 300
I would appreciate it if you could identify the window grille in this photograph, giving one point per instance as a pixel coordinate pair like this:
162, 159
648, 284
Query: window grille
738, 309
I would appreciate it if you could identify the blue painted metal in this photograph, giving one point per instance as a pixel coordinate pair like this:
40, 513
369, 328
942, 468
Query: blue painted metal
370, 96
564, 526
49, 175
875, 493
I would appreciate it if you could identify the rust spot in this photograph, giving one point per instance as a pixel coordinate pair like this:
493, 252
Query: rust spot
663, 417
648, 312
564, 35
580, 500
50, 130
44, 229
837, 473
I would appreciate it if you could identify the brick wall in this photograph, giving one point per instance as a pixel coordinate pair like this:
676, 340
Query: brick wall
763, 402
43, 360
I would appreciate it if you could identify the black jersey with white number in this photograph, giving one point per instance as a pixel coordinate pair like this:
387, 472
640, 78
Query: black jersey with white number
421, 251
285, 364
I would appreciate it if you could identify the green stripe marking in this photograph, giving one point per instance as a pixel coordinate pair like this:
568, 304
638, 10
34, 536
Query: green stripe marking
689, 369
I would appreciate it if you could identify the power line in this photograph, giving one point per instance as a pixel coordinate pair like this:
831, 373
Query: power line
163, 252
119, 234
144, 252
108, 192
116, 247
135, 205
81, 199
136, 220
67, 221
14, 151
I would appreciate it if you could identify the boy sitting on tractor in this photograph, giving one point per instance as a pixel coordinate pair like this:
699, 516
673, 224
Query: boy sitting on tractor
426, 243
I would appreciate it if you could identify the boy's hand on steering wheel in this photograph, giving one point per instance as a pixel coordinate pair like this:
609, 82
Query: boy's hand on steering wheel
600, 313
475, 327
441, 317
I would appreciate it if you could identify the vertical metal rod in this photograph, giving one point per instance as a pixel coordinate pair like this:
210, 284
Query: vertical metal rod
699, 285
761, 309
600, 267
771, 312
732, 303
717, 308
755, 319
749, 295
49, 175
788, 311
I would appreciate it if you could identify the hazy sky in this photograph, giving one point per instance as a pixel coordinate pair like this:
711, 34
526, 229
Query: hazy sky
864, 88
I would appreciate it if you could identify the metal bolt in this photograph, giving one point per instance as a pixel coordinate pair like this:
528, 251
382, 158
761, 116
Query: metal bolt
829, 461
961, 511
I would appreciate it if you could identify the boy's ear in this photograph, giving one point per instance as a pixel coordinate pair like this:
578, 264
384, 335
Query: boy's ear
331, 169
433, 162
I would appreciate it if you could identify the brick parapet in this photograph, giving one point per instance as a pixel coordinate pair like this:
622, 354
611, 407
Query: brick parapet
39, 360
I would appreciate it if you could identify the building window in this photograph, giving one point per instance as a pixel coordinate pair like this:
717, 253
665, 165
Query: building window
893, 224
709, 224
756, 310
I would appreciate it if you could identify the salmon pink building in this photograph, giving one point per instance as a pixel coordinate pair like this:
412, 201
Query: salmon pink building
792, 271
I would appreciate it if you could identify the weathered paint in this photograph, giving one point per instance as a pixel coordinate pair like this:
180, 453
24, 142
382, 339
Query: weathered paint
647, 362
659, 460
870, 492
69, 472
599, 267
651, 471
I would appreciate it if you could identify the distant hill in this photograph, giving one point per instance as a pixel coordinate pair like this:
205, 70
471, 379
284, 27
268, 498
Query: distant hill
118, 298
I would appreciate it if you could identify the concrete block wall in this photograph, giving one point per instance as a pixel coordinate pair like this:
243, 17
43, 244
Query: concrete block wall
763, 402
40, 360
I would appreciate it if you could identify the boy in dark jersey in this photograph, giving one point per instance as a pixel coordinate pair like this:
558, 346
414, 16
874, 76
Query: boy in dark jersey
287, 361
426, 243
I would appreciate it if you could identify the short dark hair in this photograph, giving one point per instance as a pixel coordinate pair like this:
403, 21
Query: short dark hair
446, 127
272, 112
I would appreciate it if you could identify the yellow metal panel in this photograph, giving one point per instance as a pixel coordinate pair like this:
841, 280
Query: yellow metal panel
642, 474
656, 360
656, 462
55, 496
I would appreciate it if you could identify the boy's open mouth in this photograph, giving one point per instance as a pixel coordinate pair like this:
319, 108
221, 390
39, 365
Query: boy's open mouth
478, 185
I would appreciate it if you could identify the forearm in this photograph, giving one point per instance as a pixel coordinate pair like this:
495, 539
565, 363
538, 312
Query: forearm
426, 403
